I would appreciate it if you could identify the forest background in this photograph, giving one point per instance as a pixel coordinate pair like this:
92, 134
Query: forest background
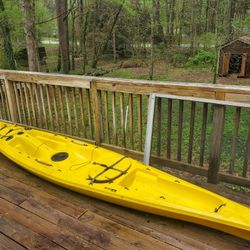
144, 39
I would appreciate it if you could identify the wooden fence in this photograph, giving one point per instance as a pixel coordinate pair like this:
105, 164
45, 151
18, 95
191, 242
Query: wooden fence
210, 138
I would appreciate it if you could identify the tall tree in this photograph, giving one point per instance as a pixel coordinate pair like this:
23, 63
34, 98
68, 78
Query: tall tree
5, 34
152, 40
104, 44
94, 34
83, 24
229, 28
62, 22
181, 22
170, 17
158, 36
28, 8
73, 38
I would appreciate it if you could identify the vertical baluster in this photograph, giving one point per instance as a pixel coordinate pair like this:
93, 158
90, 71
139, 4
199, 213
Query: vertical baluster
96, 112
54, 99
246, 156
158, 124
36, 90
82, 111
203, 133
2, 102
89, 113
216, 143
68, 110
122, 119
11, 105
114, 118
140, 122
99, 95
191, 132
47, 88
235, 139
106, 103
75, 110
22, 102
43, 107
180, 129
26, 97
31, 94
169, 128
131, 120
62, 110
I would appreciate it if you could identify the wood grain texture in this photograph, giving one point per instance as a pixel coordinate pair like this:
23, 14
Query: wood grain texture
169, 127
96, 110
107, 122
246, 155
235, 139
180, 129
203, 133
131, 120
114, 119
12, 103
122, 119
140, 125
191, 132
216, 143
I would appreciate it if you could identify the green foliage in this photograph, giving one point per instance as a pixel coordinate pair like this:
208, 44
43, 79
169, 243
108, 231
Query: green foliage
201, 59
2, 59
207, 39
43, 27
127, 6
14, 16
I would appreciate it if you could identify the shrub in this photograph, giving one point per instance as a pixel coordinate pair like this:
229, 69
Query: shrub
202, 58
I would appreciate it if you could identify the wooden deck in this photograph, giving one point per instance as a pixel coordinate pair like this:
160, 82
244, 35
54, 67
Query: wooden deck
35, 214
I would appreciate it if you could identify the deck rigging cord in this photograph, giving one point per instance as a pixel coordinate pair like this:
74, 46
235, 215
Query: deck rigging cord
106, 168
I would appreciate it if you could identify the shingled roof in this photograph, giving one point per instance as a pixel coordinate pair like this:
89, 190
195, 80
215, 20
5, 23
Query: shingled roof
244, 39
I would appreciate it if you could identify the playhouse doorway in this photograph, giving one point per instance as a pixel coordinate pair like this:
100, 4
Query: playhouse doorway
235, 63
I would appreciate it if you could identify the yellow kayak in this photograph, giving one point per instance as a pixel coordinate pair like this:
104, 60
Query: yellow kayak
112, 177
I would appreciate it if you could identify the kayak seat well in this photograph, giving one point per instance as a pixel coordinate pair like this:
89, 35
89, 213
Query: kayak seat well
164, 190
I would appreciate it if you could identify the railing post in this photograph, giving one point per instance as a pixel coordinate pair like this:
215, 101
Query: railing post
11, 99
96, 110
216, 143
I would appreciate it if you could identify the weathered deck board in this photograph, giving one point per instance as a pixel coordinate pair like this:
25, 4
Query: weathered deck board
37, 214
26, 236
6, 243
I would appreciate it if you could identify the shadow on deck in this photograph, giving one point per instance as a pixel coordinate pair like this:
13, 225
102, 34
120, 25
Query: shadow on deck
37, 214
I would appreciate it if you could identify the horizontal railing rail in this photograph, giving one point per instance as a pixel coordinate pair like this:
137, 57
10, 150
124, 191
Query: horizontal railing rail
200, 128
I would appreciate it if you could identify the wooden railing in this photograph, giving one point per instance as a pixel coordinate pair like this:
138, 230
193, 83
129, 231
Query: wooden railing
190, 135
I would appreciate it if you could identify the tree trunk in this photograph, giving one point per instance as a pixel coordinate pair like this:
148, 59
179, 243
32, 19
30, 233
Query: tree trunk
158, 34
28, 8
5, 34
216, 61
167, 23
73, 16
83, 33
151, 66
181, 23
104, 45
229, 28
193, 28
94, 55
171, 22
210, 15
114, 46
62, 21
